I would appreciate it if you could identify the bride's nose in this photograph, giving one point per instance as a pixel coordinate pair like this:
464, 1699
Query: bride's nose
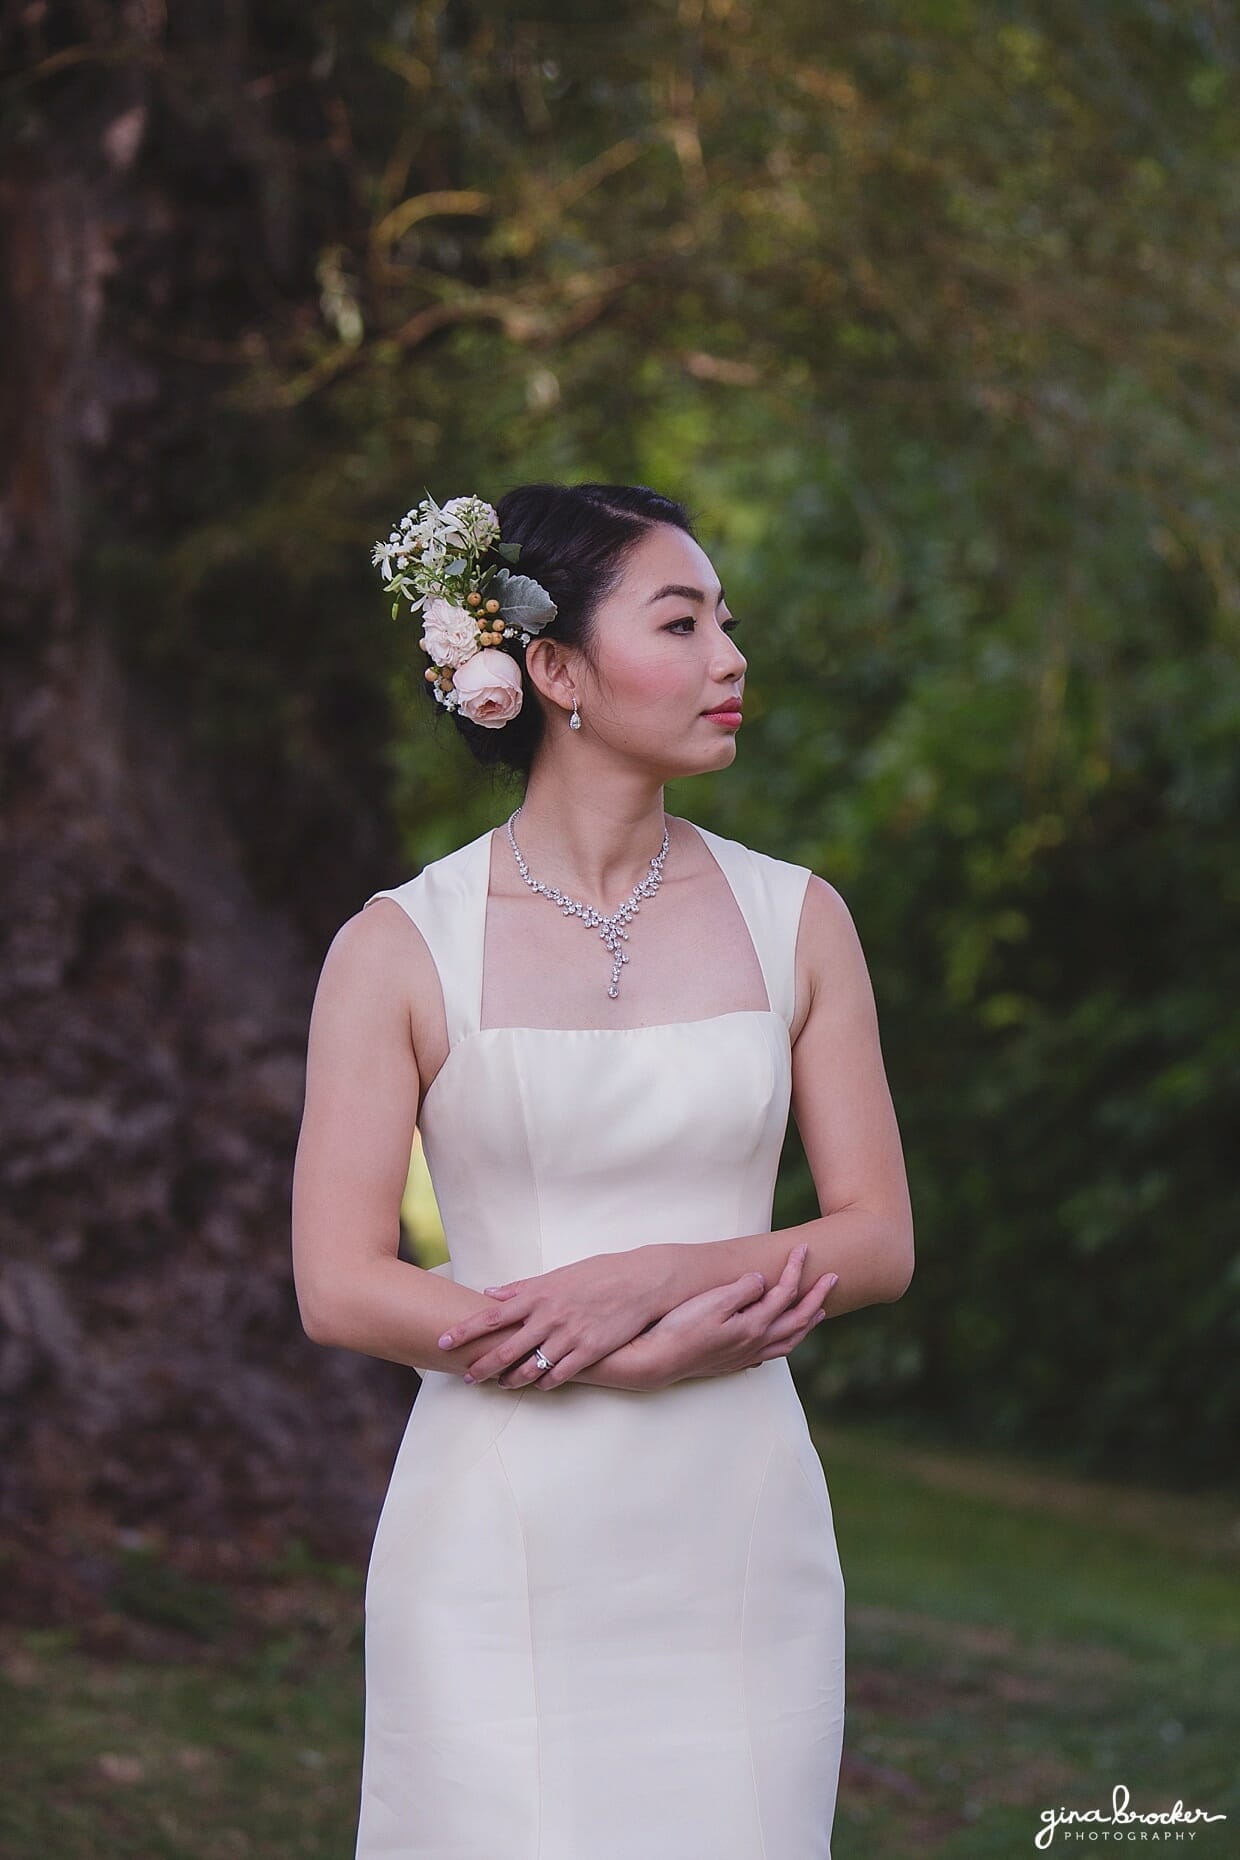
732, 660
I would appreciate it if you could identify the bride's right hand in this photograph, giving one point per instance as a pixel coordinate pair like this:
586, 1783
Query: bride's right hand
733, 1326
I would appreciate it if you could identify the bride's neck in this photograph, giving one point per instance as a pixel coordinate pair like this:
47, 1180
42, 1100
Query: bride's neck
590, 847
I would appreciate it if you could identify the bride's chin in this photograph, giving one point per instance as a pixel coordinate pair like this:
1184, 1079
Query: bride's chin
700, 765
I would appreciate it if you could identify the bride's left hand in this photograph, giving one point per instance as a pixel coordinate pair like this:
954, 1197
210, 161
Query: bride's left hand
577, 1313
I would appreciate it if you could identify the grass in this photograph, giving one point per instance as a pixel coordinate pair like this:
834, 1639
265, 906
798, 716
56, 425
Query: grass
1017, 1641
1021, 1641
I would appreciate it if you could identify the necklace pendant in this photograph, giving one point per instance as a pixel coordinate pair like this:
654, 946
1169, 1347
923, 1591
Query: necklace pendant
611, 929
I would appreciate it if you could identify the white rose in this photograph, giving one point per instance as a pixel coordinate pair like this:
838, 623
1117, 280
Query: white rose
488, 687
449, 632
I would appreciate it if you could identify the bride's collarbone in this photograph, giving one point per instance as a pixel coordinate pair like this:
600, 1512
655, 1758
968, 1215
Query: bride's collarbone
691, 948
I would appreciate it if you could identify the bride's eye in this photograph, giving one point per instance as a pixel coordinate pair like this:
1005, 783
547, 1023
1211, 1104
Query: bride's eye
729, 624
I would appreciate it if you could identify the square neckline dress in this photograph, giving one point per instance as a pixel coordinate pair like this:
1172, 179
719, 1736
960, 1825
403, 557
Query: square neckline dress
603, 1624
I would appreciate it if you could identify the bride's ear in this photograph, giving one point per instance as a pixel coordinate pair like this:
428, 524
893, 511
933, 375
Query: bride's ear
549, 670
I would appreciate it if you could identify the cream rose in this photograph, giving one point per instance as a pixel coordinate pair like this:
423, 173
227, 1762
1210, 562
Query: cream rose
449, 633
488, 687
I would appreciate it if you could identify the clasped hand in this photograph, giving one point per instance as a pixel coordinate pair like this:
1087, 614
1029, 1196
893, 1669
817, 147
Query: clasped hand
592, 1308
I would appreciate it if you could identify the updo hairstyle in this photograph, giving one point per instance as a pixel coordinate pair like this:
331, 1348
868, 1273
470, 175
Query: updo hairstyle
574, 541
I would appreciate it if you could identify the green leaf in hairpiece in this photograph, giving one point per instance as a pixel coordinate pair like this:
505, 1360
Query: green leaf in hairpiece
523, 603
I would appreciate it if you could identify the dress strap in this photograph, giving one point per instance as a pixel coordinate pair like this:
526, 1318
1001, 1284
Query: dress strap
447, 901
770, 893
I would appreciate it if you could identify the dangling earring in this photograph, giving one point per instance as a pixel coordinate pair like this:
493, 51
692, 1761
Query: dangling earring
574, 722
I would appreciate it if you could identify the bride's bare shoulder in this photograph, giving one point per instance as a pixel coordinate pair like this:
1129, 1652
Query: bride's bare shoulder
380, 958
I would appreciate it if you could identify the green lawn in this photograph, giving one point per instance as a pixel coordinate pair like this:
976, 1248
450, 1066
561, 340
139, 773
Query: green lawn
1017, 1640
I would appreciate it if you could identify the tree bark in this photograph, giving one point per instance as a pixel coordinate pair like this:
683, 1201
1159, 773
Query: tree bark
154, 1375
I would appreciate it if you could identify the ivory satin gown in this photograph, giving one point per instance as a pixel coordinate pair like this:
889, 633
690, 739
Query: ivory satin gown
603, 1624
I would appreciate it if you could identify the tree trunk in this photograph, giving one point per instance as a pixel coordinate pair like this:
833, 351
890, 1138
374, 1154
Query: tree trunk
154, 1375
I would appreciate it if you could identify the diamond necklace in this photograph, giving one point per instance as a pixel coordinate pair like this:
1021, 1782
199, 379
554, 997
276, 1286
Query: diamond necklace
611, 929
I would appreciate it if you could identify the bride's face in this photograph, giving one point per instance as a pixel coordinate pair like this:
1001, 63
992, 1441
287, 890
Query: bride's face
663, 657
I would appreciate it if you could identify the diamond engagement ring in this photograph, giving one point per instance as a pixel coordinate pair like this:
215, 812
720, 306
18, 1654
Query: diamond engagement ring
541, 1360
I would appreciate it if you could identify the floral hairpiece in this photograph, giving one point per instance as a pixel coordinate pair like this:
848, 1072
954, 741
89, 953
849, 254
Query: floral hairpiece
467, 610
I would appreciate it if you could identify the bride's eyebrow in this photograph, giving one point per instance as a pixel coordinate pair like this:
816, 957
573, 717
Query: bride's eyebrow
685, 593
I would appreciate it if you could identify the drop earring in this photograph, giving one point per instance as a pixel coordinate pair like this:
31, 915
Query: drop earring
574, 722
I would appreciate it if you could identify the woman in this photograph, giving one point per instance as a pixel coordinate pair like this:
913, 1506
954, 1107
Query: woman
604, 1606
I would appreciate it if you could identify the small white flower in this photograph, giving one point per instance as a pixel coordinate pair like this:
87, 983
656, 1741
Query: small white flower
434, 546
473, 520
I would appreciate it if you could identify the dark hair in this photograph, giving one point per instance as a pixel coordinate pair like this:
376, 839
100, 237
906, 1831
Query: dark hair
574, 540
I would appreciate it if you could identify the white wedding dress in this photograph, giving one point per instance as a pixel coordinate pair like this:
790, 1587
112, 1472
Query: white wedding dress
603, 1624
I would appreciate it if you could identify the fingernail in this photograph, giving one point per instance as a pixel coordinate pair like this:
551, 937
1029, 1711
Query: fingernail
803, 1248
466, 1378
833, 1281
818, 1316
445, 1342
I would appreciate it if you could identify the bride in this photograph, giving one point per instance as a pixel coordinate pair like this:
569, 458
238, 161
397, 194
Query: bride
604, 1602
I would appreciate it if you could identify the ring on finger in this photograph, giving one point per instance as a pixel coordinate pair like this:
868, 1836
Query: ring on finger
531, 1358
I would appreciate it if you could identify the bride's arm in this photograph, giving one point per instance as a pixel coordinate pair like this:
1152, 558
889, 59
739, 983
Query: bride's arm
363, 1089
730, 1327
